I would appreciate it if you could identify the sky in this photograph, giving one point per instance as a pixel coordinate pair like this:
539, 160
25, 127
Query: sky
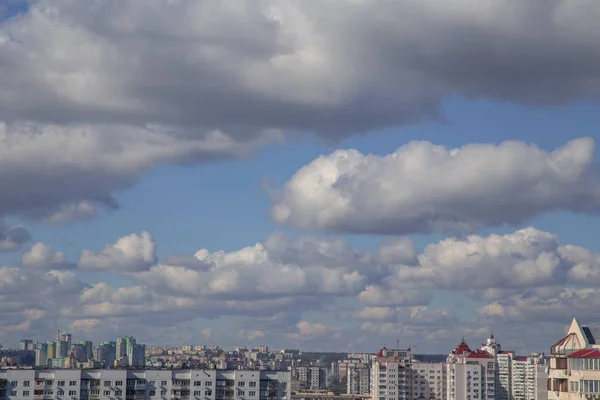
324, 175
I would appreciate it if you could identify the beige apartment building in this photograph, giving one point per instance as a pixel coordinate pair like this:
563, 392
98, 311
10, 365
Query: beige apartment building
574, 369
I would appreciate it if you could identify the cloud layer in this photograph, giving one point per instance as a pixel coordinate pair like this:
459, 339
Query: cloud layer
288, 289
96, 94
424, 188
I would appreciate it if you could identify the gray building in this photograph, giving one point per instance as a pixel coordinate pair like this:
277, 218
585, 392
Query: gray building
150, 384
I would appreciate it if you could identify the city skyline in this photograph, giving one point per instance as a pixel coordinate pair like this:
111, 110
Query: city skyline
326, 176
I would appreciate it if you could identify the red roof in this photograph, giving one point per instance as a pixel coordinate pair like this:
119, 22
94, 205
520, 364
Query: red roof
380, 353
479, 354
586, 353
462, 348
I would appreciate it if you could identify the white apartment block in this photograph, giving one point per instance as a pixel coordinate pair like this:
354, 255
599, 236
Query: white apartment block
159, 384
574, 370
471, 374
358, 379
391, 375
429, 380
309, 378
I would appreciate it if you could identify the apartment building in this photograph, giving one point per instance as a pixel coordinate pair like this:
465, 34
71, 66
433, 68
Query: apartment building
429, 380
309, 378
122, 384
471, 374
391, 375
358, 379
574, 367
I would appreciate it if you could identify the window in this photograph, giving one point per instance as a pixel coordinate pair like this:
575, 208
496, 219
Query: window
50, 382
72, 383
72, 393
61, 383
163, 383
107, 383
163, 392
13, 393
153, 393
26, 383
197, 393
241, 384
118, 392
252, 393
208, 392
107, 392
209, 383
14, 383
153, 383
197, 383
252, 384
25, 393
60, 392
118, 383
240, 393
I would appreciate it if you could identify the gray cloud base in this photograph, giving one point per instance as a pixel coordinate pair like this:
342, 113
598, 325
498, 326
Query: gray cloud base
101, 92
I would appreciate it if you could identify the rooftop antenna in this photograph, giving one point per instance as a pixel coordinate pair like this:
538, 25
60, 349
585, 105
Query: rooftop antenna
58, 334
398, 343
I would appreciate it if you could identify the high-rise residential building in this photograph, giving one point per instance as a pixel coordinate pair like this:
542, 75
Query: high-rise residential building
137, 355
124, 346
391, 375
89, 349
41, 355
62, 349
471, 374
429, 380
66, 337
51, 349
574, 366
79, 352
358, 379
26, 344
105, 353
139, 384
528, 378
309, 378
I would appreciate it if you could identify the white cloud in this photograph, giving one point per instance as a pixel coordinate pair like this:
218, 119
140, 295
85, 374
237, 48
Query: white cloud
129, 253
43, 256
423, 188
278, 267
307, 297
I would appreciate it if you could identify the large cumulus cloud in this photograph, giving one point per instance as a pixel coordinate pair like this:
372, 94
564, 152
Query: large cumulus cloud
96, 93
424, 188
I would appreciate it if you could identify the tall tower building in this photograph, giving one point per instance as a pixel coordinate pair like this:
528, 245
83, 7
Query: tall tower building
51, 350
66, 337
41, 355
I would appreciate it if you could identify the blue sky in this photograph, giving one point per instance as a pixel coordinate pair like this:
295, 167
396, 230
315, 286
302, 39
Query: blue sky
102, 119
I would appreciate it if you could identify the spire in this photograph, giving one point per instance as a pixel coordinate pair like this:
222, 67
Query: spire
491, 334
462, 340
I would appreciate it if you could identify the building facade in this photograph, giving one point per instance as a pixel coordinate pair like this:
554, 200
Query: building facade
122, 384
358, 379
574, 368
